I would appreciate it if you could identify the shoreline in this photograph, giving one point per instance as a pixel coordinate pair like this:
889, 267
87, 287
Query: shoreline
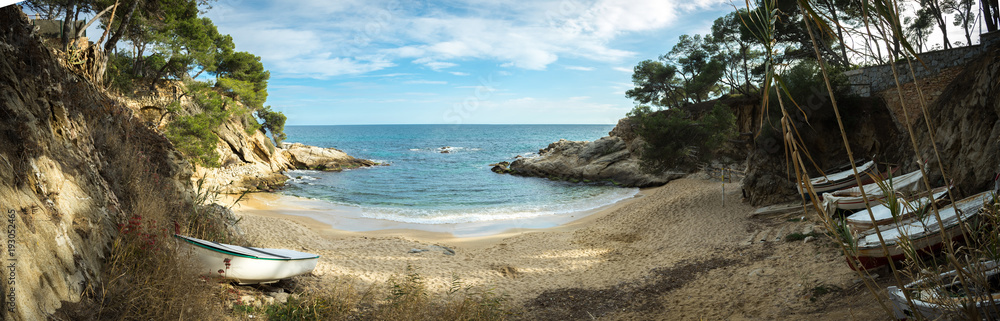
340, 221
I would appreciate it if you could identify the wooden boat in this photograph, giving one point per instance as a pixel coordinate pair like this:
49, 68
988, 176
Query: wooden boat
851, 199
842, 179
945, 298
861, 220
923, 234
248, 265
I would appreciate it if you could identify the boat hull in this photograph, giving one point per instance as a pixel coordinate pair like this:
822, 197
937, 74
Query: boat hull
852, 199
243, 268
863, 221
874, 257
926, 308
924, 235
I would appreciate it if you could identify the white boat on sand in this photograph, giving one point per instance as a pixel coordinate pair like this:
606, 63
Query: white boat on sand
945, 298
922, 234
842, 179
248, 265
851, 199
861, 220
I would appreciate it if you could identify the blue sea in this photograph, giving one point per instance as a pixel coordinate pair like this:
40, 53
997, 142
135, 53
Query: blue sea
425, 186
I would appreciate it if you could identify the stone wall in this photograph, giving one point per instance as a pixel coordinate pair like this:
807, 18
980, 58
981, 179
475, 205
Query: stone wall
914, 96
876, 79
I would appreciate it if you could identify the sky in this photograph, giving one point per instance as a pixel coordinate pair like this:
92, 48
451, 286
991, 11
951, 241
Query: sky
459, 61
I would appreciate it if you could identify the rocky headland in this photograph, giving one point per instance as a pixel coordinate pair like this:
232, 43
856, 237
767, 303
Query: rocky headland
254, 164
614, 158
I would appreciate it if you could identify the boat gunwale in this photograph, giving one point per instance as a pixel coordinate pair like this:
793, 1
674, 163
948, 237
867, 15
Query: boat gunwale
190, 240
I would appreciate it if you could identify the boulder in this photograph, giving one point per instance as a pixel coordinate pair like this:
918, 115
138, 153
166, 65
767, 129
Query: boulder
501, 168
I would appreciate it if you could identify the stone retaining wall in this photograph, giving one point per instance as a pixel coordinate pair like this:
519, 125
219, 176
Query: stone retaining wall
876, 79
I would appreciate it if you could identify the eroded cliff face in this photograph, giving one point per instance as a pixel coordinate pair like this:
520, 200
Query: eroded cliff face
613, 158
965, 122
69, 157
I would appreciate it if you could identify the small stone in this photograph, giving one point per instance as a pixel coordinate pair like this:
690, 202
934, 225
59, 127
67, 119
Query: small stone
444, 250
279, 297
807, 239
417, 250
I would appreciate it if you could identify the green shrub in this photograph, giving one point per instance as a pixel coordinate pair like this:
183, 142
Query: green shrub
118, 73
274, 122
194, 137
674, 138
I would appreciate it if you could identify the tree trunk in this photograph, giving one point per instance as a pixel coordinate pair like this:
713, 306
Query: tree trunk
67, 24
840, 31
991, 13
939, 17
159, 74
113, 41
744, 52
79, 33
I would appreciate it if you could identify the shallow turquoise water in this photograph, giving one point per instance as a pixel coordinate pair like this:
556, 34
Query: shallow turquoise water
423, 185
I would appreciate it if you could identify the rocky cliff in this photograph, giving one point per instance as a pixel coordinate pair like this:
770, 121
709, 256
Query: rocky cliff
71, 161
613, 158
248, 161
965, 122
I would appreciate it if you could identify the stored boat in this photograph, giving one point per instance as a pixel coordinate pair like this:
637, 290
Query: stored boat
861, 220
945, 298
248, 265
841, 179
922, 233
852, 199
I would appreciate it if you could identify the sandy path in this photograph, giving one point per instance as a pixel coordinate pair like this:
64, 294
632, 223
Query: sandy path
675, 253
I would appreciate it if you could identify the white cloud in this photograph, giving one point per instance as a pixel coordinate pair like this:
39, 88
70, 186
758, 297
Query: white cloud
426, 82
435, 65
322, 39
580, 68
458, 73
623, 69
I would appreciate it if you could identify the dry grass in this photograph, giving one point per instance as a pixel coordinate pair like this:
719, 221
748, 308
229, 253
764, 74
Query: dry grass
143, 277
404, 297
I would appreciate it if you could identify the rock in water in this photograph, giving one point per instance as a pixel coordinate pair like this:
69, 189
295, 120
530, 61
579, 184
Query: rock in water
501, 168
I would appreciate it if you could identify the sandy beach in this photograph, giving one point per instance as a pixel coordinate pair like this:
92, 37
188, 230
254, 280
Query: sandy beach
673, 252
